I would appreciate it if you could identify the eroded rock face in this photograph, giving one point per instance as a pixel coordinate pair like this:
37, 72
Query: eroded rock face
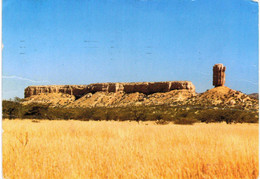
219, 75
80, 90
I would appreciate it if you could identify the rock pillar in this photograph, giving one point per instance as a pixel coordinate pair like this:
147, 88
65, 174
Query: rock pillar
219, 75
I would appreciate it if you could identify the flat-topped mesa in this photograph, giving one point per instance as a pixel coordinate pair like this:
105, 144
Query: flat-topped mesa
141, 87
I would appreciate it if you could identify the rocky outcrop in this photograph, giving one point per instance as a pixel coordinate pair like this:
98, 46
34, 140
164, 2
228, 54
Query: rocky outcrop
225, 97
141, 87
219, 75
216, 97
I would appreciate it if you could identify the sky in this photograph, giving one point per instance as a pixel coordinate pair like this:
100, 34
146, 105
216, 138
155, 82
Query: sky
55, 42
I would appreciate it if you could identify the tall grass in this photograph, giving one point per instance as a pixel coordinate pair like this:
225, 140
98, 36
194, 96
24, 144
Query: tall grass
88, 149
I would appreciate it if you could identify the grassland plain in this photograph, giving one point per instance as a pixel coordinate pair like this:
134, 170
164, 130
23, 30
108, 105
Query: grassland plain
110, 149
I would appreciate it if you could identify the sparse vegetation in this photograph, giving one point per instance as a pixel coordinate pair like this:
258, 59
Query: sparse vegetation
178, 115
11, 109
185, 121
161, 122
228, 115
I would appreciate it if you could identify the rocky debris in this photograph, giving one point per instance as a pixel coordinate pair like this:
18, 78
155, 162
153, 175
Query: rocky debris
219, 75
169, 97
106, 99
80, 90
254, 95
224, 96
54, 99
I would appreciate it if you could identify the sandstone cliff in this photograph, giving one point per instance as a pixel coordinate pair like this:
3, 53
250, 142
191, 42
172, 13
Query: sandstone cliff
80, 90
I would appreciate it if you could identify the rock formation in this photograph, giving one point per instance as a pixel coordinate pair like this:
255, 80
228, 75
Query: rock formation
141, 87
219, 75
173, 93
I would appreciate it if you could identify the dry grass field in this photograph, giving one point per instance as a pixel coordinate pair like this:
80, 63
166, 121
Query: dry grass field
78, 149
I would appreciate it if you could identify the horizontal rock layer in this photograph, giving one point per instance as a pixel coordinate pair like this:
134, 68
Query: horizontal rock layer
141, 87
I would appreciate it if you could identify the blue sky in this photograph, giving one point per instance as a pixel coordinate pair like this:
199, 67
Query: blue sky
80, 42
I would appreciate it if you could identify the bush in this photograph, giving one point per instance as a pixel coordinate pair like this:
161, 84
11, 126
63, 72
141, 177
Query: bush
35, 110
11, 109
14, 109
158, 116
185, 121
228, 115
248, 117
131, 114
161, 122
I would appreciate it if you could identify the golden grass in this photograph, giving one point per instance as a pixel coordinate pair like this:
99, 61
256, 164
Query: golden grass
77, 149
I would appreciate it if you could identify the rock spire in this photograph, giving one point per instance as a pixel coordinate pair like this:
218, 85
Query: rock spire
219, 75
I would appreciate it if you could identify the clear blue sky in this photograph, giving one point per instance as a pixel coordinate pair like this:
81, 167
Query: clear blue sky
80, 42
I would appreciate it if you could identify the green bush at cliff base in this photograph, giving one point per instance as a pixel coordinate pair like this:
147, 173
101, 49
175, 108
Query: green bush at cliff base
228, 115
185, 121
11, 109
177, 115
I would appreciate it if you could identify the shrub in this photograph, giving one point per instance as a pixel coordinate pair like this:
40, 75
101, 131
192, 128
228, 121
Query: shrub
156, 116
35, 121
161, 122
35, 110
14, 109
248, 117
11, 109
131, 114
185, 121
227, 115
